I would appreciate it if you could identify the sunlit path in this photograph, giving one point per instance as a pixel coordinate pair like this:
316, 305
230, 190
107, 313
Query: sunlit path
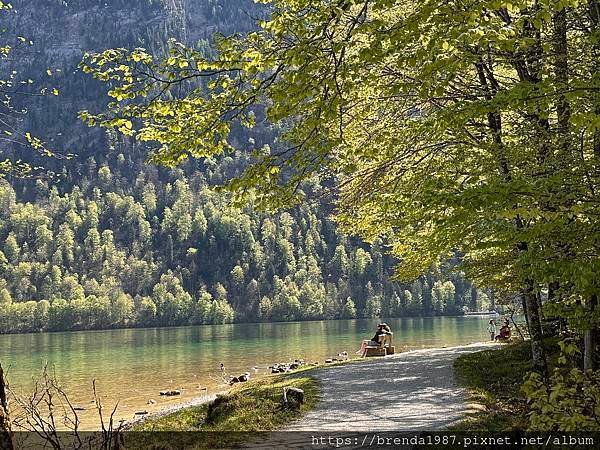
408, 391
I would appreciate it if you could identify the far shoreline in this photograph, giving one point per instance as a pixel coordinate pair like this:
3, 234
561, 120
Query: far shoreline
97, 330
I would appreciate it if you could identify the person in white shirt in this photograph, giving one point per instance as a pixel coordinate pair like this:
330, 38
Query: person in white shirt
492, 329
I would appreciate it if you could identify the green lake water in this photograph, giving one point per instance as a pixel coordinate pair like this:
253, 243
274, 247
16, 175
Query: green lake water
131, 366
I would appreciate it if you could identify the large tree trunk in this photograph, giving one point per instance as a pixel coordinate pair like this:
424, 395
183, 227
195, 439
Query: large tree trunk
5, 431
530, 300
590, 337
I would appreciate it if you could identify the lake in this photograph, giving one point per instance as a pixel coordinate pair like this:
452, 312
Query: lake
132, 365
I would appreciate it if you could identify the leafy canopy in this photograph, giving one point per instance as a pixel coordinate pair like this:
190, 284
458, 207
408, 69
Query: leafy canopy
443, 125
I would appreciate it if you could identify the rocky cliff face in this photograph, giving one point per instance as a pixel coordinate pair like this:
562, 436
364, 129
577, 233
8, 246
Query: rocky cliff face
63, 30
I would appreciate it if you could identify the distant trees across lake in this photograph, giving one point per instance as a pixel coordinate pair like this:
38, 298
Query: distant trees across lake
164, 249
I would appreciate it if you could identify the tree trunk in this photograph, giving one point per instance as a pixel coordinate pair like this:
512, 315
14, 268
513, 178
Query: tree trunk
531, 305
524, 304
538, 353
5, 431
474, 297
553, 288
590, 337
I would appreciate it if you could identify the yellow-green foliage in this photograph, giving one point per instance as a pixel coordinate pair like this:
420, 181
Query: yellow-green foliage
438, 119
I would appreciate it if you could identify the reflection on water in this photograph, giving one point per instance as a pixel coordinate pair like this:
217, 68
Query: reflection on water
133, 365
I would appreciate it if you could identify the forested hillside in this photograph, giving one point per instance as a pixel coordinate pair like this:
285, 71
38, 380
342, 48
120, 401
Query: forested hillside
112, 241
164, 249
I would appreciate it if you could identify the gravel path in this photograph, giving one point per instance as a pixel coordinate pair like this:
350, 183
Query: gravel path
406, 392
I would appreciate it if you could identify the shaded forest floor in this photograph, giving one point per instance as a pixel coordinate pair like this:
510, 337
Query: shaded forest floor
493, 380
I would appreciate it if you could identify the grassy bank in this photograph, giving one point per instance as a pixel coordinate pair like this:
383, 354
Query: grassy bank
252, 406
245, 409
493, 379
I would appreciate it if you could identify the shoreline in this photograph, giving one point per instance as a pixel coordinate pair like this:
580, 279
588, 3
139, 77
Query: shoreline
170, 409
96, 330
207, 398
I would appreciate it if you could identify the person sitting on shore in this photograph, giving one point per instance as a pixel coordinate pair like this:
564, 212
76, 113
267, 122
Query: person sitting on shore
387, 337
504, 332
382, 335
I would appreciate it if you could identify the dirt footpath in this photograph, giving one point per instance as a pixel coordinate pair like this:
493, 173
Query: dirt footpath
405, 392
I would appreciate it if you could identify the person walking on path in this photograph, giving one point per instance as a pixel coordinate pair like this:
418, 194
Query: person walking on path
492, 329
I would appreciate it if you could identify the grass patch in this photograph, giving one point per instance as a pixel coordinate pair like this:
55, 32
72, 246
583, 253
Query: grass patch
252, 406
187, 419
235, 417
493, 379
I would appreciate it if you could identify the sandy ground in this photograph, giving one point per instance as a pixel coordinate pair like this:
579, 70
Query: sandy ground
405, 392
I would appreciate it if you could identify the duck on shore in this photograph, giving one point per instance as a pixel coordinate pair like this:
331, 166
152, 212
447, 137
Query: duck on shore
285, 367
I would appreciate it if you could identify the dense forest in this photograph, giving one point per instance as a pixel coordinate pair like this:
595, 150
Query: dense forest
163, 248
73, 28
102, 239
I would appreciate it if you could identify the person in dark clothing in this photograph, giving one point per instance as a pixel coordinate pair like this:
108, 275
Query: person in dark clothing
378, 334
504, 331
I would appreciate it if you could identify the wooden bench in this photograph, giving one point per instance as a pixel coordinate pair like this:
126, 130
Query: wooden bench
372, 350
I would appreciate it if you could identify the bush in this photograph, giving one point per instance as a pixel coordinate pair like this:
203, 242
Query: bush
568, 401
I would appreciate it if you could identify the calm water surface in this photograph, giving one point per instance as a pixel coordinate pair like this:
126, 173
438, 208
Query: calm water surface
132, 366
